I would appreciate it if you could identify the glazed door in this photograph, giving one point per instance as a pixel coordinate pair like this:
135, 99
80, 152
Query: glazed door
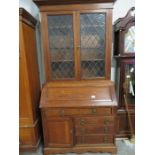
58, 132
93, 44
59, 32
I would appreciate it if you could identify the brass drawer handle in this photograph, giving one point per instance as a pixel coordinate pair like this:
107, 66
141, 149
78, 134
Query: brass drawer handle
62, 112
82, 122
94, 111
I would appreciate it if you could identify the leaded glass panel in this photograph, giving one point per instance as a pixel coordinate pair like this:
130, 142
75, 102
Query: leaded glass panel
61, 44
92, 37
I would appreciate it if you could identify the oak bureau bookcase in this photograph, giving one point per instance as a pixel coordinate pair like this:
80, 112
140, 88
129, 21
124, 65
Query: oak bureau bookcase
78, 102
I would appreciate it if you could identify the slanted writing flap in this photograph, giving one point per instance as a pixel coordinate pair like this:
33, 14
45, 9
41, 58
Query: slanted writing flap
80, 93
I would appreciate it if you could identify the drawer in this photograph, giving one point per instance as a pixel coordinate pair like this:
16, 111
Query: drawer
78, 111
94, 129
60, 112
105, 120
95, 139
96, 111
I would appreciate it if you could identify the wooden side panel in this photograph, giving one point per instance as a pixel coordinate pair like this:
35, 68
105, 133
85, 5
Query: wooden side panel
32, 67
58, 132
25, 111
23, 108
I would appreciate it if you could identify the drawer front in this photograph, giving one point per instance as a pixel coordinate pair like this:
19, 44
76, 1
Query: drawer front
96, 111
78, 111
96, 139
93, 129
106, 120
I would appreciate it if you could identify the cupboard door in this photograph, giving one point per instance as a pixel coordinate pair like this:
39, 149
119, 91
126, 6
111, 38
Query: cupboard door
61, 46
92, 44
59, 132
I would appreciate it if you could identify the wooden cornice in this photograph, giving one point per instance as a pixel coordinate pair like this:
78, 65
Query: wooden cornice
27, 17
63, 2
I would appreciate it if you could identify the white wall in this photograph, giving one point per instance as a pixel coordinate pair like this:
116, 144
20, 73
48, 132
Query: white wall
121, 7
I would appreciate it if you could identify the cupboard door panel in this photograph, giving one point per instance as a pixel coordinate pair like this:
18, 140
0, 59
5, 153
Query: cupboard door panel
59, 132
61, 46
92, 40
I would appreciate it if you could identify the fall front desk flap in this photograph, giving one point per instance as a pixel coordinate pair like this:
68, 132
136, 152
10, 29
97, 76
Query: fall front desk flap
78, 93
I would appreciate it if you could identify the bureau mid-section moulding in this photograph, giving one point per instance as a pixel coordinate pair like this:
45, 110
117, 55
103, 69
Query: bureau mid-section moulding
79, 117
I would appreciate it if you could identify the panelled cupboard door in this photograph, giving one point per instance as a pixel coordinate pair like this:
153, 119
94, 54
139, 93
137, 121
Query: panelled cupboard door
59, 132
77, 44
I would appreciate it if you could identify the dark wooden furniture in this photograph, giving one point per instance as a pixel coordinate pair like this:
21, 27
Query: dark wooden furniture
79, 116
78, 102
124, 53
29, 85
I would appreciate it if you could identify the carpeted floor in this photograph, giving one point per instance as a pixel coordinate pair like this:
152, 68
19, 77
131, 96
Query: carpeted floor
123, 149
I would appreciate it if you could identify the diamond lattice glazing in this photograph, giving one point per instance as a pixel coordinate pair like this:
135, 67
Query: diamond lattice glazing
61, 46
92, 31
